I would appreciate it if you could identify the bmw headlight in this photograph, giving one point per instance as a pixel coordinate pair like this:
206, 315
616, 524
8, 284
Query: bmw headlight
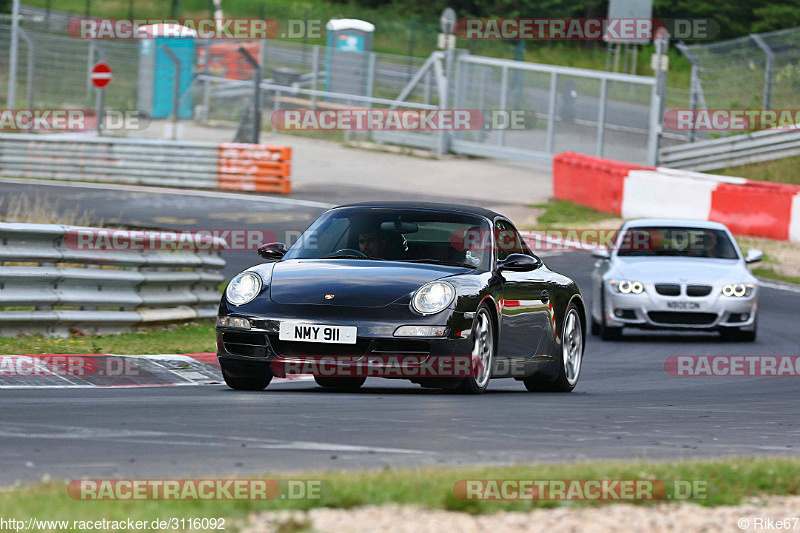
627, 287
737, 290
243, 288
433, 297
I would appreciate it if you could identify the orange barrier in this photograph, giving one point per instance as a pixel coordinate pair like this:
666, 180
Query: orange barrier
591, 181
254, 167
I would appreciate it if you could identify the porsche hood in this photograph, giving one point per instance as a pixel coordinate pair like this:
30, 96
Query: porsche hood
352, 283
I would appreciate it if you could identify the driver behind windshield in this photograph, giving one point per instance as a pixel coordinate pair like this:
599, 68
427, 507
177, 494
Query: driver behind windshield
372, 244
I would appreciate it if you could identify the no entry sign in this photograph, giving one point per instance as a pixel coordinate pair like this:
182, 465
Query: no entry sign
101, 75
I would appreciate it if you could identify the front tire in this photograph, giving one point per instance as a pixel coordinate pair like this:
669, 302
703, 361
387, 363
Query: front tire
606, 332
257, 382
482, 354
741, 335
569, 368
340, 383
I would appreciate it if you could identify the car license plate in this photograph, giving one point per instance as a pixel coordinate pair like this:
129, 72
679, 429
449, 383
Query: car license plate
318, 333
684, 306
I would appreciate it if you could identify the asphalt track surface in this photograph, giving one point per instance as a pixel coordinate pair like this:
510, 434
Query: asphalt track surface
625, 406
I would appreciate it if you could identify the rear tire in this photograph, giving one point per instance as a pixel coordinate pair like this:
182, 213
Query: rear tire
340, 383
570, 361
254, 383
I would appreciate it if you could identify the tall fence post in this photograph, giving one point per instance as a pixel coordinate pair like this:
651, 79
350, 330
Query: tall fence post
601, 118
314, 75
501, 135
12, 59
768, 68
31, 67
551, 119
256, 94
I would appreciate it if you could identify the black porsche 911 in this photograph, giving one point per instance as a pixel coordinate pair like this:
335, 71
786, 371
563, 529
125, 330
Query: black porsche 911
403, 290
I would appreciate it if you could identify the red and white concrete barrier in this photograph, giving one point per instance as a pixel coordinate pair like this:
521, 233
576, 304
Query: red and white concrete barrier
747, 207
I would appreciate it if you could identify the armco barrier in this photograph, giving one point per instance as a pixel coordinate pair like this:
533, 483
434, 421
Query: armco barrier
252, 167
747, 207
50, 286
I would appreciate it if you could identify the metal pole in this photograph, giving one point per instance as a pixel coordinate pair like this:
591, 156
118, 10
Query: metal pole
551, 120
176, 89
655, 126
662, 45
256, 94
31, 66
314, 74
12, 59
601, 117
693, 98
501, 135
370, 78
207, 83
768, 69
444, 137
101, 109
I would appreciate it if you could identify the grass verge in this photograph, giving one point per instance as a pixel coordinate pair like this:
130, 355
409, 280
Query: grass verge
778, 171
727, 482
189, 338
563, 214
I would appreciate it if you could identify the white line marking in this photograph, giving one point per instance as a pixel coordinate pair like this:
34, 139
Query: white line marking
168, 190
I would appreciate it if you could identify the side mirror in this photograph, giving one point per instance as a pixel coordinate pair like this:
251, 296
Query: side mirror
601, 253
753, 256
273, 251
520, 263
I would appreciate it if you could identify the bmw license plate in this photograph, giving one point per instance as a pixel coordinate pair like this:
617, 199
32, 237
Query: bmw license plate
684, 306
318, 333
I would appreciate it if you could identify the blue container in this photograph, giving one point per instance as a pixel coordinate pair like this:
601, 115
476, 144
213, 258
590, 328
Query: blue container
157, 76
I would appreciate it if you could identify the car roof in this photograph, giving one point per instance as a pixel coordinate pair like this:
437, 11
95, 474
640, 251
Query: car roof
469, 209
674, 222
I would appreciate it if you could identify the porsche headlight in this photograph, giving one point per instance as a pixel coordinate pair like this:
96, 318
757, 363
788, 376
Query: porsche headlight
737, 290
433, 297
627, 287
243, 288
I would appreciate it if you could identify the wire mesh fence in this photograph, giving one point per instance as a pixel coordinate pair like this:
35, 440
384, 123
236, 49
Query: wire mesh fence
760, 71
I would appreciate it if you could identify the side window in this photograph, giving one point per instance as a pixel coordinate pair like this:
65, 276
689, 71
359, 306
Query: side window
508, 240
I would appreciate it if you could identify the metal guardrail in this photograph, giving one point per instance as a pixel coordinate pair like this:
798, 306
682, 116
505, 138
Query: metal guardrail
53, 283
732, 151
147, 162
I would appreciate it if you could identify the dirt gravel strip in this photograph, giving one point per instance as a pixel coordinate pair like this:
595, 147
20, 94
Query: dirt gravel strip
622, 518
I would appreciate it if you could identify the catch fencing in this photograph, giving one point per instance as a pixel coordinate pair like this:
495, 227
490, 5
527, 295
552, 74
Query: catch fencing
254, 167
50, 285
596, 112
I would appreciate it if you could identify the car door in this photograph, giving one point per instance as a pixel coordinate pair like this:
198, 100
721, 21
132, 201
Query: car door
524, 309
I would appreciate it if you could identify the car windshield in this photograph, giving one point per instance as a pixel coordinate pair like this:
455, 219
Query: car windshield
676, 242
408, 235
